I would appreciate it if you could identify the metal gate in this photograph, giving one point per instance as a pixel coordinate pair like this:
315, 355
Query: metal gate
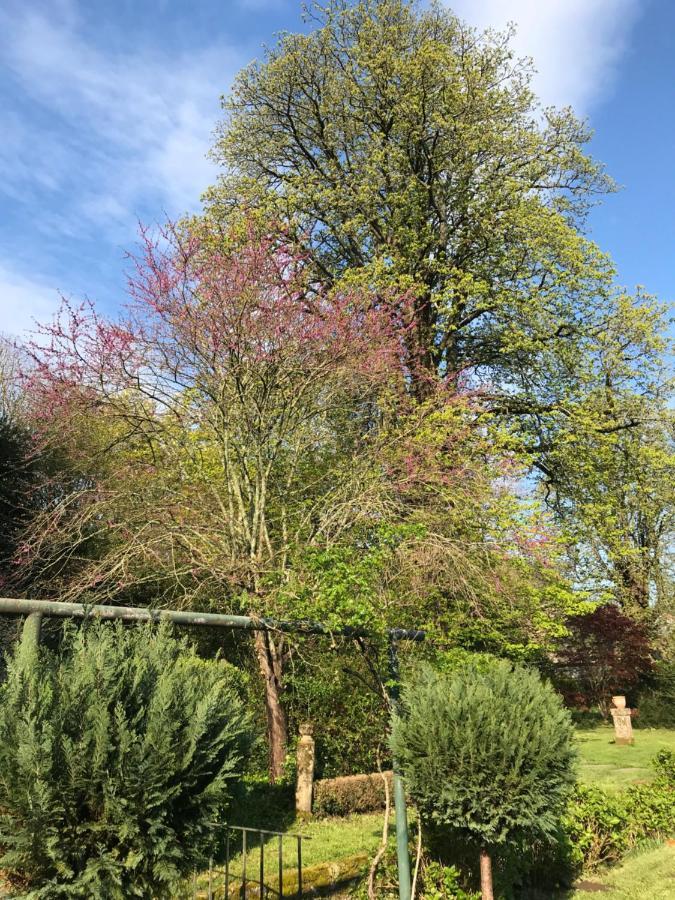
253, 866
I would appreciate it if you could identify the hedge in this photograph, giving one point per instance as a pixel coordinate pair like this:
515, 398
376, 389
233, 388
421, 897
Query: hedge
117, 752
601, 827
350, 794
657, 703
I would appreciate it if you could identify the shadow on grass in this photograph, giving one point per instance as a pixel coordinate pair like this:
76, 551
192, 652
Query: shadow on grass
259, 804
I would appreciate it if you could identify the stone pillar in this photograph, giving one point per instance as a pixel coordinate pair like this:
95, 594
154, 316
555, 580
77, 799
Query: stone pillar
623, 727
305, 776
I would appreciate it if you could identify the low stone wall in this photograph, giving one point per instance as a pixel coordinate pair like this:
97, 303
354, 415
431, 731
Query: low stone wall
350, 794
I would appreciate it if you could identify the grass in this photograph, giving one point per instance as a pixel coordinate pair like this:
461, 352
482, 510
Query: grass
333, 851
340, 844
329, 839
649, 875
613, 767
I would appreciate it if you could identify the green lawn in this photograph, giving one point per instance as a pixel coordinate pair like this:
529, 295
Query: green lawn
333, 851
346, 844
642, 876
604, 763
328, 839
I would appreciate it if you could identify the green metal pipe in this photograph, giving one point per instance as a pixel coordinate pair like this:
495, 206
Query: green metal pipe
402, 838
59, 609
32, 627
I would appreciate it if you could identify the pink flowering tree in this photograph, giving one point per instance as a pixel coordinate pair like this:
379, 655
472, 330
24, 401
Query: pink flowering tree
208, 427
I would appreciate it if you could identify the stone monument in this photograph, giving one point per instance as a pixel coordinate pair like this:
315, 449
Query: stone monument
623, 726
305, 776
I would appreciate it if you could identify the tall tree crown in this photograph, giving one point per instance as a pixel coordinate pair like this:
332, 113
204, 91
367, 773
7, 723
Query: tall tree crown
407, 147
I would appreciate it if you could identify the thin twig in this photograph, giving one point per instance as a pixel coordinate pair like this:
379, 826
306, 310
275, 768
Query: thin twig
418, 857
385, 833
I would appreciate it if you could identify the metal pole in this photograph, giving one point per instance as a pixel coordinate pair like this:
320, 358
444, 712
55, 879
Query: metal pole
404, 884
227, 862
32, 627
243, 862
59, 609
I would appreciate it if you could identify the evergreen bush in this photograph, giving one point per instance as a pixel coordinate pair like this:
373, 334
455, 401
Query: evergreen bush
116, 752
487, 753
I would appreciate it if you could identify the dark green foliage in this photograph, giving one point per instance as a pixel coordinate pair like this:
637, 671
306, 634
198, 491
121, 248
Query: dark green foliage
337, 692
664, 763
261, 803
441, 882
656, 704
487, 753
595, 828
436, 881
16, 476
600, 827
115, 753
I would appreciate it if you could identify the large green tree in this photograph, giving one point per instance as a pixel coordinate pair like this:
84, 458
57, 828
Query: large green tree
614, 488
403, 146
243, 439
473, 775
398, 146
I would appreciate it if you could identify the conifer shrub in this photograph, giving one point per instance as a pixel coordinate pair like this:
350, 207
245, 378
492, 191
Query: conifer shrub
116, 753
487, 754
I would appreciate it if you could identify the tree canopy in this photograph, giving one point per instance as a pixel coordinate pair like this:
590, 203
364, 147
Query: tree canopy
400, 147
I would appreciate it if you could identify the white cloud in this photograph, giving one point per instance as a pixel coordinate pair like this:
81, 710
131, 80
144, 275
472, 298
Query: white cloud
103, 135
576, 45
24, 301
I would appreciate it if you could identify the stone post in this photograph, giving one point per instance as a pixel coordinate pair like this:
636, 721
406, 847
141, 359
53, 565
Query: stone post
623, 727
305, 776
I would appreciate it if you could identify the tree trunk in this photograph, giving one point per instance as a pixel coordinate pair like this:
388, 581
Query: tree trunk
271, 668
420, 347
486, 875
633, 577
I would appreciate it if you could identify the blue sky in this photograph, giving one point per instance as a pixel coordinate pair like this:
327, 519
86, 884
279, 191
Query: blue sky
107, 109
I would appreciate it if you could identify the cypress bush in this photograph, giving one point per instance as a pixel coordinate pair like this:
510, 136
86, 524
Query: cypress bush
116, 752
487, 753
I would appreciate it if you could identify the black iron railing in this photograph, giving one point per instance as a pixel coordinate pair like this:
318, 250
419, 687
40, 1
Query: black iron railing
248, 850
